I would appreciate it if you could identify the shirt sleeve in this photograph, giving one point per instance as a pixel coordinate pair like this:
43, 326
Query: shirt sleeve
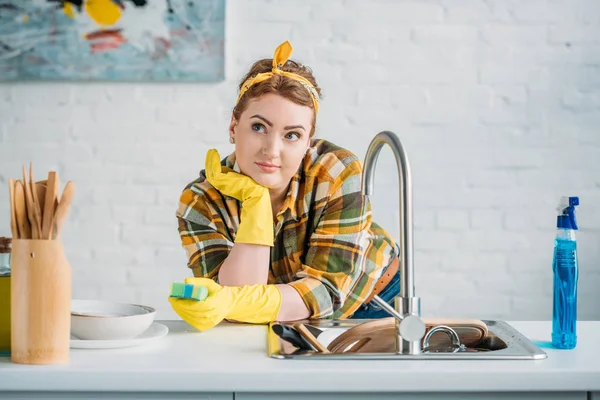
344, 258
203, 231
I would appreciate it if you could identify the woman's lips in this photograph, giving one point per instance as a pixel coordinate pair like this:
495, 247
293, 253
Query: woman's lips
266, 167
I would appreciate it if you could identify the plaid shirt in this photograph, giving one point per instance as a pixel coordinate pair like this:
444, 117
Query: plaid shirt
326, 245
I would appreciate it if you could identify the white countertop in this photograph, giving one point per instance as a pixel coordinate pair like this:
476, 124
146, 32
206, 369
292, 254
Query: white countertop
233, 358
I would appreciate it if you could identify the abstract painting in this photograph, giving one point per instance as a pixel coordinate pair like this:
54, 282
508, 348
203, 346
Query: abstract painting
112, 40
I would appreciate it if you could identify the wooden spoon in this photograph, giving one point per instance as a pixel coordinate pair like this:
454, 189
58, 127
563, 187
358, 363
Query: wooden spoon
62, 210
13, 215
36, 203
21, 211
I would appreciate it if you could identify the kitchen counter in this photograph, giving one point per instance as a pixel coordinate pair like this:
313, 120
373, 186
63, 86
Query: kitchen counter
232, 358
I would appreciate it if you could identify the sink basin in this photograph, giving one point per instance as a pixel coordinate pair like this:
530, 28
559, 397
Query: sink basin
503, 342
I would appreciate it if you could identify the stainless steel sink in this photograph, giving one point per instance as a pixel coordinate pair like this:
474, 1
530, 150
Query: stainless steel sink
410, 340
502, 342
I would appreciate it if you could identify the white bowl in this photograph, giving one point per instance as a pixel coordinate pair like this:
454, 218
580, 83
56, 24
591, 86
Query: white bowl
105, 320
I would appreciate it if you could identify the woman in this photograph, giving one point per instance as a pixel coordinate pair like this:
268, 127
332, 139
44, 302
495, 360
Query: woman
279, 230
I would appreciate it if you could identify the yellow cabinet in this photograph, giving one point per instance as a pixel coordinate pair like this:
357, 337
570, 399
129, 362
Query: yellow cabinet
4, 314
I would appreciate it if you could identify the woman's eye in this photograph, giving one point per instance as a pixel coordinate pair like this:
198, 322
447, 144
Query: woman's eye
258, 127
292, 136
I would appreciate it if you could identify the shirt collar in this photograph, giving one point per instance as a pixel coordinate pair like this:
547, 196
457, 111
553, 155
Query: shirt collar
291, 198
232, 163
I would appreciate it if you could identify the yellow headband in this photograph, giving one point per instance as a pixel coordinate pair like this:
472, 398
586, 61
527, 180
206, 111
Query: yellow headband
282, 53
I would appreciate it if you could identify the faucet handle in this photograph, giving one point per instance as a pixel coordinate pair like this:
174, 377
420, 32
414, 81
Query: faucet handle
412, 328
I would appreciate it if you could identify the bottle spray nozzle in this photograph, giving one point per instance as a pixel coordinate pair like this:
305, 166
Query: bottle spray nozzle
573, 201
566, 209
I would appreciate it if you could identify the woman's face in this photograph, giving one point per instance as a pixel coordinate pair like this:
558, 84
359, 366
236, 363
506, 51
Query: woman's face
271, 139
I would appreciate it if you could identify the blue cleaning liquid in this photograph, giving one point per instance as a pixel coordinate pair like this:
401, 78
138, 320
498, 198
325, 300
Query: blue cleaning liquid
566, 273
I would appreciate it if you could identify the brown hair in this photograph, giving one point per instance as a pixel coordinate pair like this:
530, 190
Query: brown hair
280, 85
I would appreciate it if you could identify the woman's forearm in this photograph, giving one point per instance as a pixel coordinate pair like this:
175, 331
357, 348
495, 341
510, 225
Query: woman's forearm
246, 264
292, 305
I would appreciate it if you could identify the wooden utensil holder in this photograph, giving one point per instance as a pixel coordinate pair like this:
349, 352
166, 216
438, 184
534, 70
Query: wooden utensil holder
40, 302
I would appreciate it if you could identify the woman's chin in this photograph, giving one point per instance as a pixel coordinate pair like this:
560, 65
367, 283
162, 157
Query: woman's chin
267, 181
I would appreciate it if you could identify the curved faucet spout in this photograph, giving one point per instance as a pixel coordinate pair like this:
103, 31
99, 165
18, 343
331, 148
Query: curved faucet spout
409, 326
407, 286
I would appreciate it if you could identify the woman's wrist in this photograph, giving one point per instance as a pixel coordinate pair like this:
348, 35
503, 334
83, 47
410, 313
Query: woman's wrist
246, 264
256, 222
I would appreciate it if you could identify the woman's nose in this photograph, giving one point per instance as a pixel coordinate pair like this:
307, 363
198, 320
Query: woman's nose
271, 147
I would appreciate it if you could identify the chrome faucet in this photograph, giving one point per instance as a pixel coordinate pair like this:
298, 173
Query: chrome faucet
410, 328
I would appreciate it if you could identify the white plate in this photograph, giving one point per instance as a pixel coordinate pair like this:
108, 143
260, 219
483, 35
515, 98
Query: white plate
329, 335
155, 331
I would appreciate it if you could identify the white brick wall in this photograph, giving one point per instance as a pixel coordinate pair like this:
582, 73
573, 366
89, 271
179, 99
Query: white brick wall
497, 103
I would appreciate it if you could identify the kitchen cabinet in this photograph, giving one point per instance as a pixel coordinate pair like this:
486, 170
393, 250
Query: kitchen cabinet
230, 362
114, 395
414, 396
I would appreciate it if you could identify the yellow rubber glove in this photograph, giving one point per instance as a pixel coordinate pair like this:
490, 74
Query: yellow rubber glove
256, 219
257, 304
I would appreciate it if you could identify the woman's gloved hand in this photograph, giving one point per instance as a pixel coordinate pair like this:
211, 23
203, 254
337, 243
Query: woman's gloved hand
256, 219
257, 304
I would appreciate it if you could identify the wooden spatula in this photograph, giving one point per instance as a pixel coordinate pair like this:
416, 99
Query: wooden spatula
50, 204
309, 337
40, 188
30, 206
62, 210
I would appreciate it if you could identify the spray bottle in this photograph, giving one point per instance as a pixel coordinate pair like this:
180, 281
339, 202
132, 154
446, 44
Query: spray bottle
566, 273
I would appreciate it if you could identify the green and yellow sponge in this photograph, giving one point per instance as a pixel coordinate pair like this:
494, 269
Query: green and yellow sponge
188, 291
